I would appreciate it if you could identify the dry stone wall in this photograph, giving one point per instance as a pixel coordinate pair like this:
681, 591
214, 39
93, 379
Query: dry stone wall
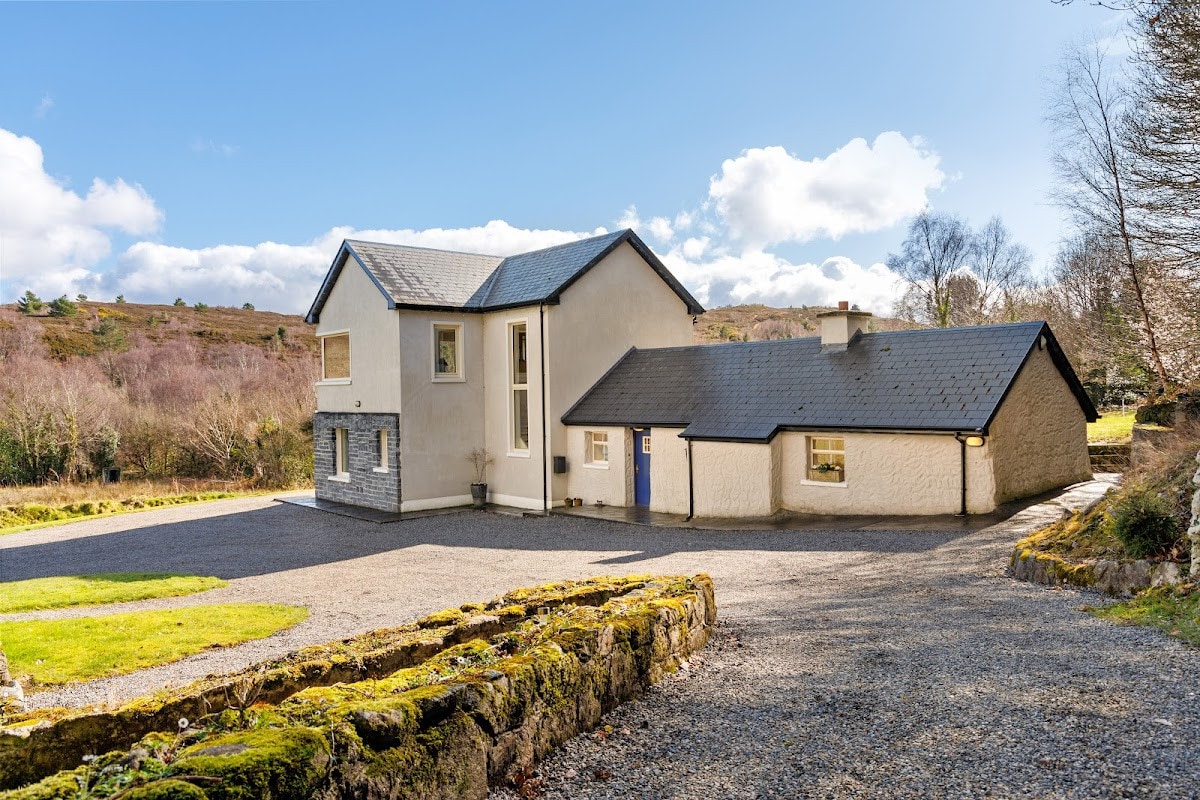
1193, 531
468, 715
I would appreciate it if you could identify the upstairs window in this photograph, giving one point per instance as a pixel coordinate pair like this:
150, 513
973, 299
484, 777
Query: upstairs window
519, 377
447, 352
335, 357
597, 448
826, 459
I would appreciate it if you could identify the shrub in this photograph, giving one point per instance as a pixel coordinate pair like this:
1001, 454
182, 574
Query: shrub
1144, 523
30, 303
1156, 412
62, 307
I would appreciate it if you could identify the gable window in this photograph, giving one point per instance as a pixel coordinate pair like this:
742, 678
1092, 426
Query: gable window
382, 466
519, 383
341, 454
596, 452
826, 459
335, 357
447, 352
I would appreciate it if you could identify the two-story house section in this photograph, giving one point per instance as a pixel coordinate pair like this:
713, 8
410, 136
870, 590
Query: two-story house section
427, 355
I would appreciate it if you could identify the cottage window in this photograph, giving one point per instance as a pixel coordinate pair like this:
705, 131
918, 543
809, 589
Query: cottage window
447, 352
826, 459
519, 376
383, 451
341, 453
335, 357
597, 448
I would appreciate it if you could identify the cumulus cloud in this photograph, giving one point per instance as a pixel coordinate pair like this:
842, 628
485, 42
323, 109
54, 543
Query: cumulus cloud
53, 236
285, 277
767, 195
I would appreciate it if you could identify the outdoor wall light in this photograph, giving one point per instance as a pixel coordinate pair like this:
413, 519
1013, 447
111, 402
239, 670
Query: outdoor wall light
974, 441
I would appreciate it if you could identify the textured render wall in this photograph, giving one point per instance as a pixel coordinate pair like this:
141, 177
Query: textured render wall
1039, 438
514, 480
668, 471
620, 303
442, 421
592, 483
357, 305
887, 474
366, 487
732, 479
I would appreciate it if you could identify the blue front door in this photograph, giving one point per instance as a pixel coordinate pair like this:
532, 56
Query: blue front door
641, 467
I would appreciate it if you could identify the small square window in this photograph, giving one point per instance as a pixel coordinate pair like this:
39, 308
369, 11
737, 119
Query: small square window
447, 352
597, 447
826, 459
335, 357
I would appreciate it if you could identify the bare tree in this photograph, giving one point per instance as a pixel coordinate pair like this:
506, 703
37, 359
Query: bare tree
1000, 266
937, 246
1093, 166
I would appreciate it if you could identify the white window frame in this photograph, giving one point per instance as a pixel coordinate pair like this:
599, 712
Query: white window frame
589, 450
382, 442
513, 387
446, 377
810, 451
341, 455
349, 349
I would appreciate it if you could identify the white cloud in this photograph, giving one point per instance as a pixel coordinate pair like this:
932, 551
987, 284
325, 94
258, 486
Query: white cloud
660, 228
52, 237
209, 146
44, 106
285, 277
767, 195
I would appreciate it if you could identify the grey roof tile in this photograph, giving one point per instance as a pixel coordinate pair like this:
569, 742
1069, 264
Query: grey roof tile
946, 379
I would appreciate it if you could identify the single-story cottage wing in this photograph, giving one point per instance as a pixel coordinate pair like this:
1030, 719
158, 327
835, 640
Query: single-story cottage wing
922, 421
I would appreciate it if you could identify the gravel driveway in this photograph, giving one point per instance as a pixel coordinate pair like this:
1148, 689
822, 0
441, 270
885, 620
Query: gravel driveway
845, 663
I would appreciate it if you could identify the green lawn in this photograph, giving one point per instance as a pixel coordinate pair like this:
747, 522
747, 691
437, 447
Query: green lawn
1113, 426
28, 516
55, 652
1175, 611
93, 590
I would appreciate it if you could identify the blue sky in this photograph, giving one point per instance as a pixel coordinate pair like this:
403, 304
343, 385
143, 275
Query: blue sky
220, 151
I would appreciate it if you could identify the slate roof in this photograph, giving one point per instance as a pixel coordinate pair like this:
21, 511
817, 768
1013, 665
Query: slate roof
948, 380
419, 277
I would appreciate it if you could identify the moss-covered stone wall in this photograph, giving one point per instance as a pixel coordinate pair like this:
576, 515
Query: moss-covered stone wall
436, 709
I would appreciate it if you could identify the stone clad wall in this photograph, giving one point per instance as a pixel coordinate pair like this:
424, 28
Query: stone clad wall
366, 487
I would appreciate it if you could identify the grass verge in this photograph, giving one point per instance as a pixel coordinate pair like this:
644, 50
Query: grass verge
38, 594
1114, 427
56, 652
1175, 610
26, 516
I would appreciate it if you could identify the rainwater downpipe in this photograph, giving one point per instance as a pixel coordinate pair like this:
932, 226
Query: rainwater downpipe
962, 453
542, 362
691, 497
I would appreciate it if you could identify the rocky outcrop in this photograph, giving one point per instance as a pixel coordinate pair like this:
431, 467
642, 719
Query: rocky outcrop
470, 714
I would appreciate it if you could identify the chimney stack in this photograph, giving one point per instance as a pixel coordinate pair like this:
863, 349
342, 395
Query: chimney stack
838, 328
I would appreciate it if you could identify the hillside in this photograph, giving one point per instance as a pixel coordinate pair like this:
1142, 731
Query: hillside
756, 323
111, 326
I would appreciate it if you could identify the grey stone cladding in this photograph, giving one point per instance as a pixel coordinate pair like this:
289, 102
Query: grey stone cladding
366, 487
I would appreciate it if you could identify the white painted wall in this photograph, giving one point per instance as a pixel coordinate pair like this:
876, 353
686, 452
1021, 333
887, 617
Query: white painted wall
1039, 436
440, 422
356, 304
732, 479
591, 482
620, 303
516, 478
668, 471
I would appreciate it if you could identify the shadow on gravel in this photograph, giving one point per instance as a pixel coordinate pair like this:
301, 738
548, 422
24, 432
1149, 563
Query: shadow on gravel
285, 537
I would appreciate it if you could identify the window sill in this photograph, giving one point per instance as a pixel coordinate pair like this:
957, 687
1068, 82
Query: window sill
449, 379
596, 465
341, 478
807, 482
334, 382
518, 454
381, 470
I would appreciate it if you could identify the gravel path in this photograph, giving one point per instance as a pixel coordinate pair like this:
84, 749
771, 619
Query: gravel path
845, 663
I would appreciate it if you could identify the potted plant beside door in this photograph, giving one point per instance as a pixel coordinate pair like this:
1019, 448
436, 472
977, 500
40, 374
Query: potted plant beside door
480, 459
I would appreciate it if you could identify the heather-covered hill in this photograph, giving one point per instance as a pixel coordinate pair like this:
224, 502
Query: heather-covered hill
754, 323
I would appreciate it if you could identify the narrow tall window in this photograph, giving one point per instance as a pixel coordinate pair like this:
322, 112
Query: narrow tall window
447, 352
520, 388
341, 452
383, 450
335, 357
826, 459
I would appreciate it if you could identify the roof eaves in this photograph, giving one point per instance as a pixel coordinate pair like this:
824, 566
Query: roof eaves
335, 270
